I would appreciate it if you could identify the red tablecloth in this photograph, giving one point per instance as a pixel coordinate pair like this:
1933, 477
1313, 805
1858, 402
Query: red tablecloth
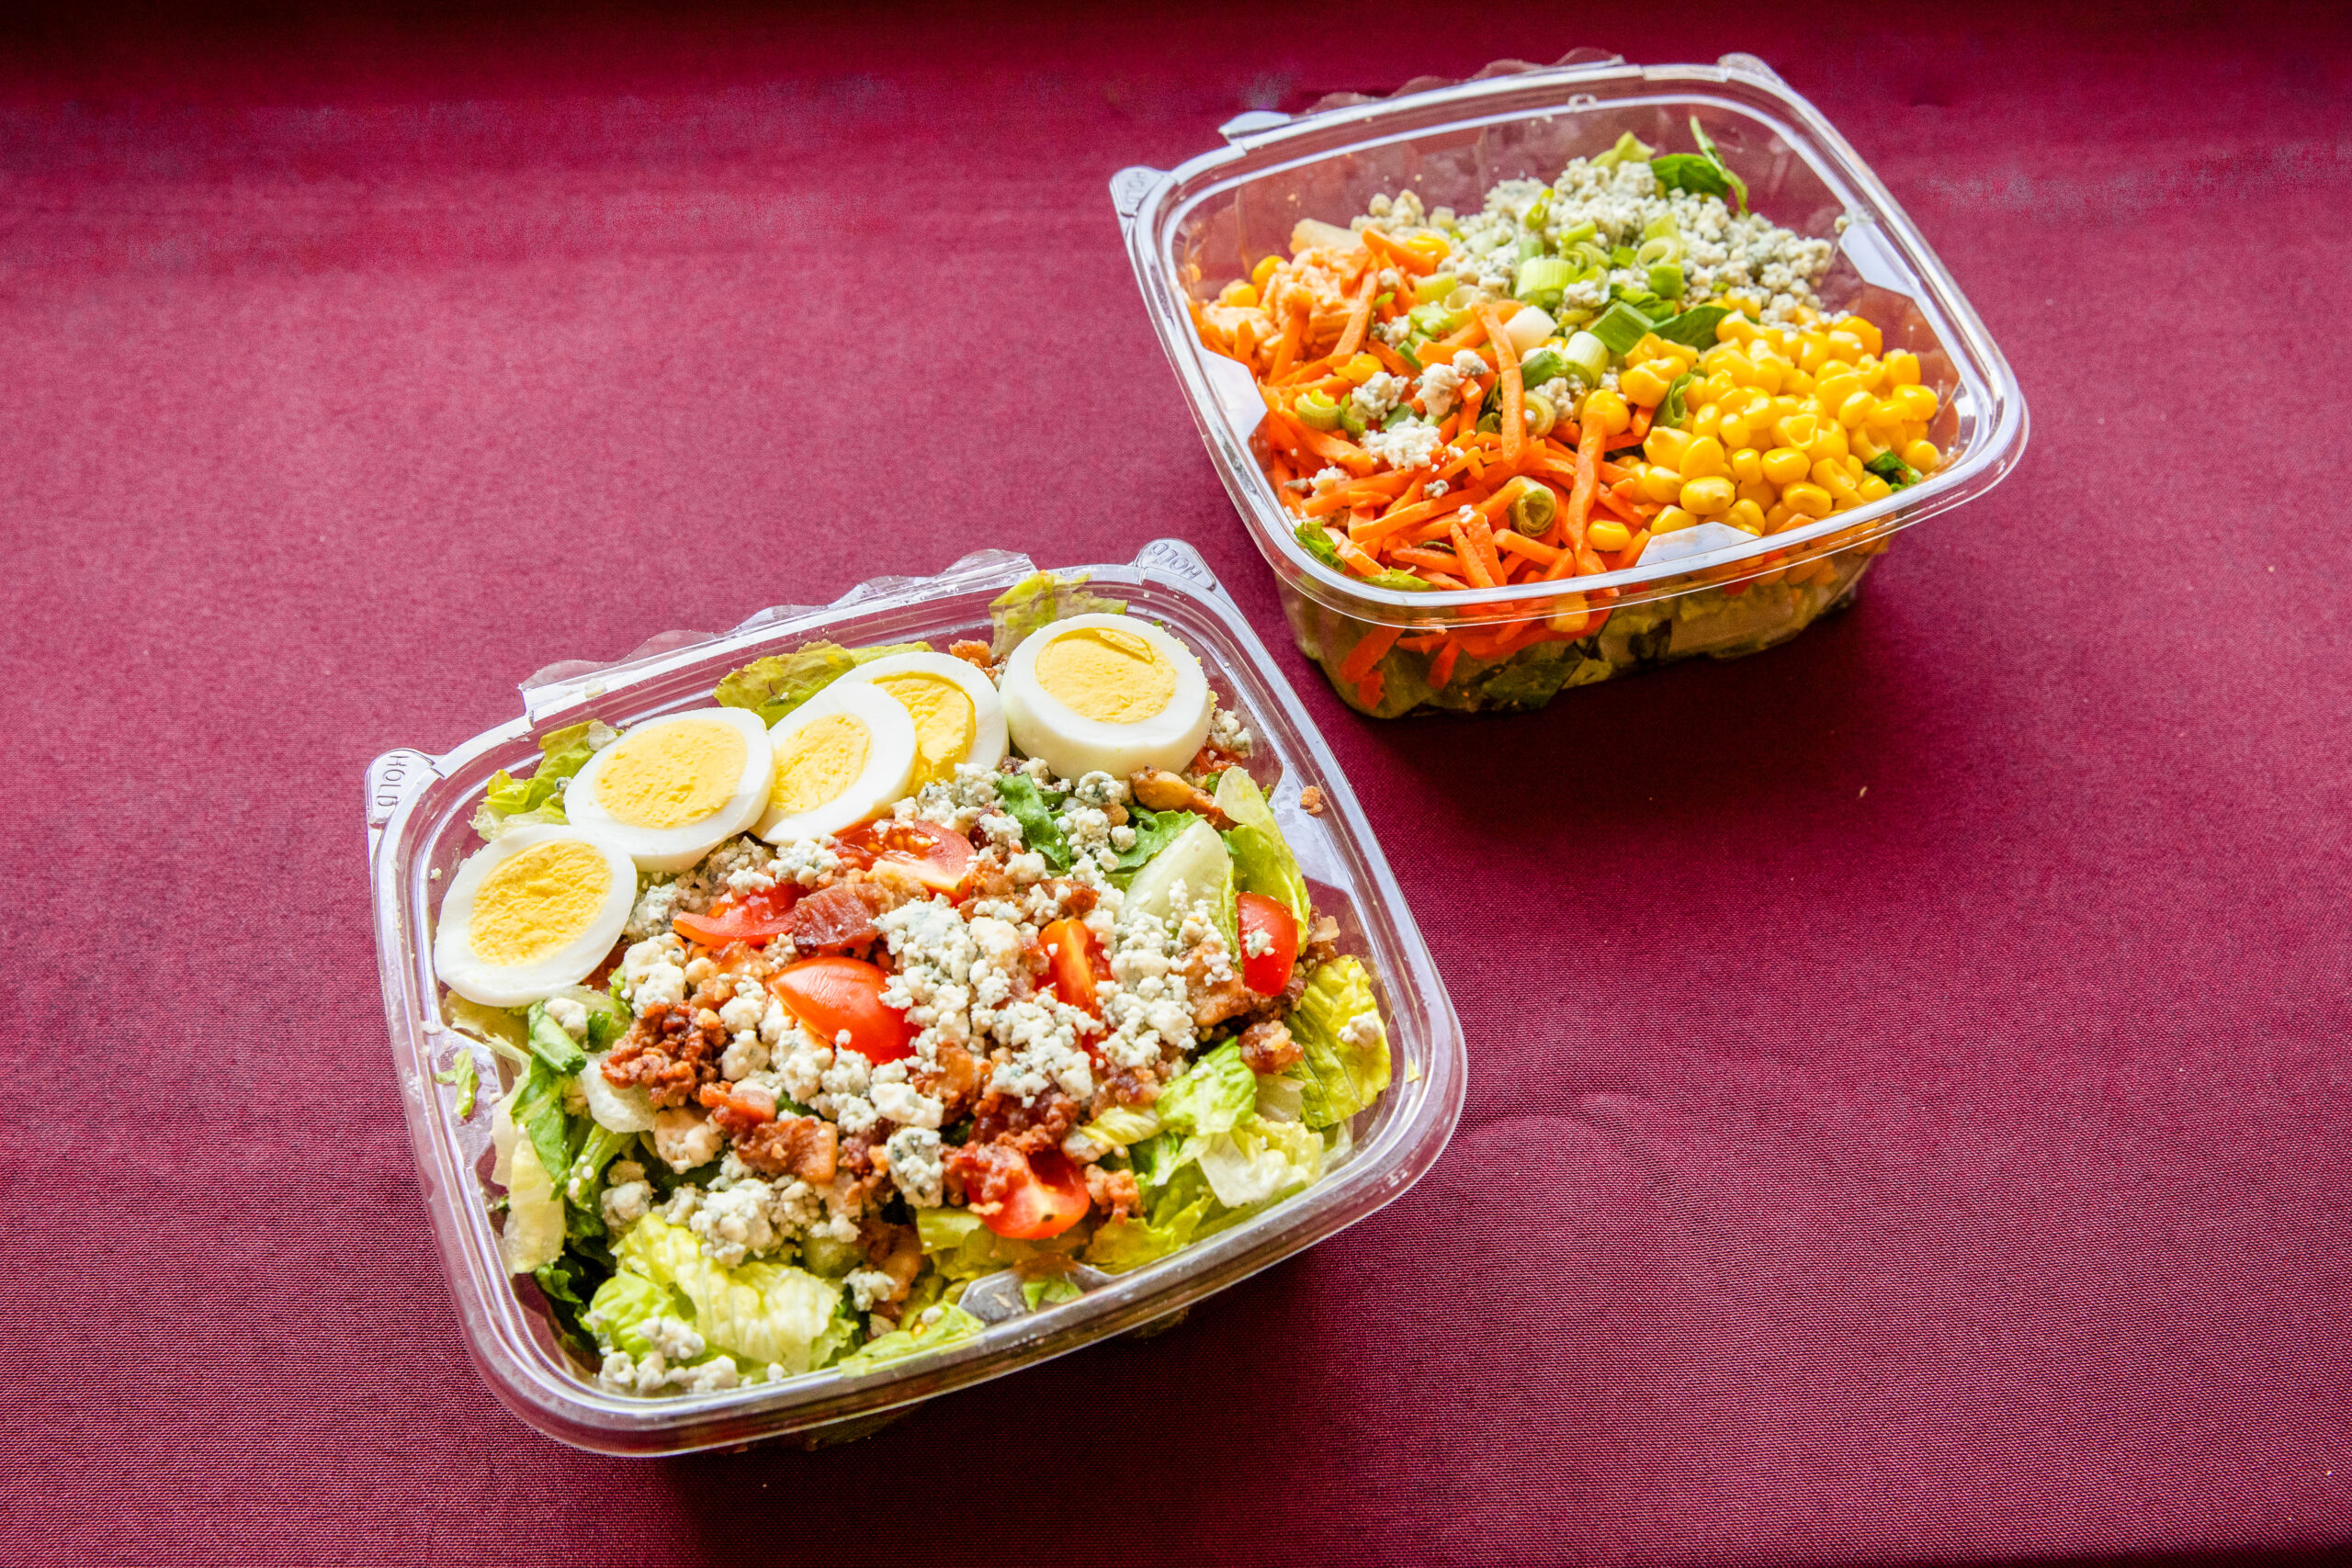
1908, 1107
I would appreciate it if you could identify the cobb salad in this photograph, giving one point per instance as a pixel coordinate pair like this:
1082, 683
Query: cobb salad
1542, 391
892, 971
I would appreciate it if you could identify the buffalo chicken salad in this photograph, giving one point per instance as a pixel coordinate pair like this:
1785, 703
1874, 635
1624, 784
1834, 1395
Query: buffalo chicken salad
889, 971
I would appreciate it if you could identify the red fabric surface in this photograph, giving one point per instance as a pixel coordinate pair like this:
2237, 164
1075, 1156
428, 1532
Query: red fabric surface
1907, 1112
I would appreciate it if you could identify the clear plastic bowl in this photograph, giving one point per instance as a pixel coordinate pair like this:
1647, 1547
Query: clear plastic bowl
1711, 589
419, 808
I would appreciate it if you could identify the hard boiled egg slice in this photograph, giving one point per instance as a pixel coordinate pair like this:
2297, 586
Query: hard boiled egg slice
1105, 694
841, 757
957, 716
533, 912
674, 788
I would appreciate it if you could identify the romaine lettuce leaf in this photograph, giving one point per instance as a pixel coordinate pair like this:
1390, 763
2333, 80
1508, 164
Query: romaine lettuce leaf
464, 1077
532, 1236
1175, 1218
1155, 831
765, 1312
535, 1108
1027, 804
954, 1326
1121, 1125
961, 1247
624, 1305
1039, 601
1262, 861
1259, 1161
776, 685
511, 801
1156, 1161
551, 1042
1214, 1095
1337, 1025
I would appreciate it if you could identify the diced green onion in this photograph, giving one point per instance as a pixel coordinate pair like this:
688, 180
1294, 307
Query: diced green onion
1433, 320
1530, 247
1538, 212
1587, 356
1432, 289
1619, 329
1665, 248
1630, 149
1405, 350
1659, 228
1384, 300
1541, 417
1316, 409
1622, 256
1541, 367
1665, 279
1570, 238
1352, 418
1541, 278
1532, 506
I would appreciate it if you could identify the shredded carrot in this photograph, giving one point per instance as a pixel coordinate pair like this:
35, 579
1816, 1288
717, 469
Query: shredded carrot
1389, 360
1359, 319
1353, 557
1474, 564
1398, 256
1618, 504
1641, 425
1518, 542
1514, 419
1423, 642
1367, 652
1442, 667
1588, 479
1443, 580
1294, 331
1435, 560
1481, 540
1369, 689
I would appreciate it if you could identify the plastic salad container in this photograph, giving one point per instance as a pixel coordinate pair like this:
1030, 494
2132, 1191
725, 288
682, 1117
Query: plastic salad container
419, 814
1711, 589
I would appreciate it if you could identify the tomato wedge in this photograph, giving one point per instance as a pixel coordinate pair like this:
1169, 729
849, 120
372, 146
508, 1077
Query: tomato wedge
937, 856
833, 995
1070, 949
741, 917
1268, 943
1046, 1199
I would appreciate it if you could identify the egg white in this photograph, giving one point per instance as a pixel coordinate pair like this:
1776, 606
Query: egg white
889, 762
1072, 744
674, 849
987, 749
477, 979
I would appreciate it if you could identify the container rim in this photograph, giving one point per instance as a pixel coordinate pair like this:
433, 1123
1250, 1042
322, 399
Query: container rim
1152, 203
409, 797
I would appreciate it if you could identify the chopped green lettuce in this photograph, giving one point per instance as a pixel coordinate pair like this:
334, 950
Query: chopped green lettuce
1032, 808
776, 685
463, 1075
623, 1310
551, 1042
1155, 831
1157, 1159
583, 1183
500, 1029
1262, 861
1175, 1218
510, 802
1316, 541
535, 1108
1121, 1125
1035, 1293
953, 1326
961, 1247
1337, 1025
561, 1282
1694, 327
532, 1236
1039, 601
765, 1312
1198, 860
1259, 1161
1213, 1096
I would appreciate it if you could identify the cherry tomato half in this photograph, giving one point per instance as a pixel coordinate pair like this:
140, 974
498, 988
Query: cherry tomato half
741, 917
1070, 950
834, 994
937, 856
1047, 1200
1266, 923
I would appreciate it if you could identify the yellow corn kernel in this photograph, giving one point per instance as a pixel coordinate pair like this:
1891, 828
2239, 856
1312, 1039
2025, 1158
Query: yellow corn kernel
1671, 521
1813, 352
1832, 477
1811, 499
1608, 408
1713, 389
1432, 248
1763, 492
1845, 344
1767, 373
1265, 270
1855, 409
1786, 465
1883, 419
1922, 455
1854, 467
1664, 445
1779, 516
1863, 333
1831, 387
1237, 294
1608, 535
1360, 369
1726, 358
1708, 420
1747, 464
1874, 488
1830, 443
1649, 346
1644, 384
1917, 402
1736, 432
1903, 368
1658, 484
1798, 430
1710, 496
1745, 515
1798, 382
1866, 444
1703, 459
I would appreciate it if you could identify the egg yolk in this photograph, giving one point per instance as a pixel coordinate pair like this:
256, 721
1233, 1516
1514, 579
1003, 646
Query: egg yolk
1107, 675
674, 775
822, 757
945, 725
538, 900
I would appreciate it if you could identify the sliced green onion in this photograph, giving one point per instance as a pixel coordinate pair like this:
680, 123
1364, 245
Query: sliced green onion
1541, 278
1586, 357
1664, 248
1405, 350
1630, 149
1432, 289
1538, 212
1384, 300
1569, 238
1541, 417
1532, 506
1318, 410
1665, 279
1622, 256
1659, 228
1433, 321
1352, 418
1619, 329
1541, 367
